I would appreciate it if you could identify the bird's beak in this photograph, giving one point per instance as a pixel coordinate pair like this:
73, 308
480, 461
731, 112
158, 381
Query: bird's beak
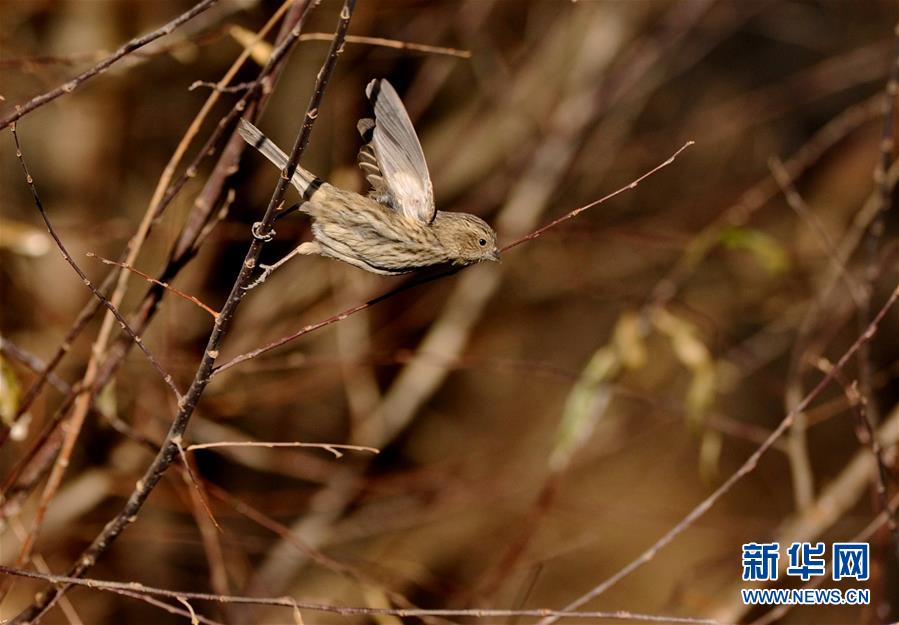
495, 257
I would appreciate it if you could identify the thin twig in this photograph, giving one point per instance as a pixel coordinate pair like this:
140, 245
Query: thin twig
152, 280
289, 602
745, 469
572, 214
391, 43
162, 605
334, 448
359, 307
188, 402
192, 480
312, 327
102, 66
193, 615
238, 88
795, 201
26, 63
374, 41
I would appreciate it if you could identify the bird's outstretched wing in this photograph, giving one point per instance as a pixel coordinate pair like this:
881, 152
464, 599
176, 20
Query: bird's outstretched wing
392, 158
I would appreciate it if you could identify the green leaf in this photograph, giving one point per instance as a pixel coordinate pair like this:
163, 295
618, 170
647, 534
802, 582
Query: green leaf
586, 403
767, 251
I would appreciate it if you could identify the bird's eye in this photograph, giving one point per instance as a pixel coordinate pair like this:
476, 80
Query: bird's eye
482, 242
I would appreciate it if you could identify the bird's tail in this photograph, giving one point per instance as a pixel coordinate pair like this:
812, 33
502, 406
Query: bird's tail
305, 182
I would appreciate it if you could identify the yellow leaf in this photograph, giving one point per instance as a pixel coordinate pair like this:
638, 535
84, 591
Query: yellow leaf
710, 454
10, 392
701, 394
23, 239
106, 400
687, 347
261, 50
628, 338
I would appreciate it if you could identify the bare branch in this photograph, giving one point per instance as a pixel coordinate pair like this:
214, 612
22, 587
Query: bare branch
152, 280
572, 214
334, 448
288, 602
102, 66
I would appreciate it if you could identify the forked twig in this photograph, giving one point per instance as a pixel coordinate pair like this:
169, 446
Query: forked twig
289, 602
391, 43
192, 480
152, 280
868, 437
334, 448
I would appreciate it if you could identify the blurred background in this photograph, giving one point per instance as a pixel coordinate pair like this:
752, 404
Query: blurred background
540, 422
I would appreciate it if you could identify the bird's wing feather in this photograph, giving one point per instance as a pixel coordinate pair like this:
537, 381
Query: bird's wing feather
392, 159
368, 162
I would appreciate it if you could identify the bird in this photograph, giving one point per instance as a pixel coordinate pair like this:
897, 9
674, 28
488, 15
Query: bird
396, 228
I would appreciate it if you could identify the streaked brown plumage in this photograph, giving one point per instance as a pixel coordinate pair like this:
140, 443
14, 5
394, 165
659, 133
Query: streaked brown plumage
396, 229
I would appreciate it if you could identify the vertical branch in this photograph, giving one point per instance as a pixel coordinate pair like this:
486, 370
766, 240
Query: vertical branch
167, 454
868, 437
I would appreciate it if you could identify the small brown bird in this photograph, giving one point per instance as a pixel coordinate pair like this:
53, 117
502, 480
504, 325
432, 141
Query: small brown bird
396, 228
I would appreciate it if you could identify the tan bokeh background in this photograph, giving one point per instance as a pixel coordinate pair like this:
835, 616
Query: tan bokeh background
541, 422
